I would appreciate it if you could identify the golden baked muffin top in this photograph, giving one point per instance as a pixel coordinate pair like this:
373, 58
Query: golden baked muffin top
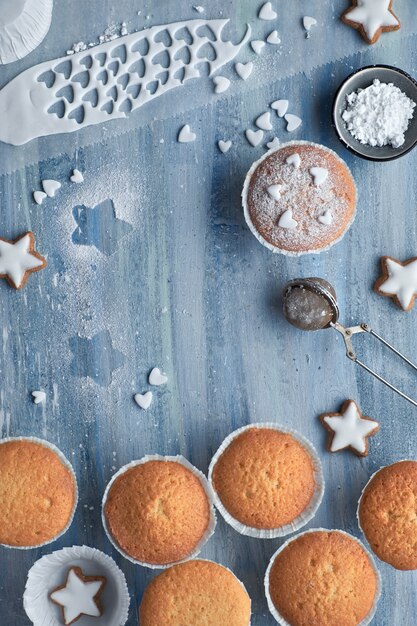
37, 493
195, 593
157, 512
387, 514
264, 478
323, 578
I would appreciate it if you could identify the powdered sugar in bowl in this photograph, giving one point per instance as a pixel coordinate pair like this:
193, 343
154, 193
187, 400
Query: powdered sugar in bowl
390, 130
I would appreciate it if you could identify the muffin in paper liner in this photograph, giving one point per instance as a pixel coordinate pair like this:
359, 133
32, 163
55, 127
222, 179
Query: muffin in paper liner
271, 606
206, 486
50, 571
68, 465
302, 519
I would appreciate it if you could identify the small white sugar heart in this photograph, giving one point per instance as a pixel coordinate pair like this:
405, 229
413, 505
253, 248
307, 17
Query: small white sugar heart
254, 136
273, 38
224, 146
39, 196
272, 145
293, 122
221, 84
326, 218
267, 13
156, 377
186, 135
264, 121
257, 45
50, 187
286, 220
143, 400
281, 107
76, 177
274, 191
294, 159
244, 70
319, 175
38, 397
308, 22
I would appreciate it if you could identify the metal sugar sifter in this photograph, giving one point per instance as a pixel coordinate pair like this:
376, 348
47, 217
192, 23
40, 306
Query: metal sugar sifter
311, 304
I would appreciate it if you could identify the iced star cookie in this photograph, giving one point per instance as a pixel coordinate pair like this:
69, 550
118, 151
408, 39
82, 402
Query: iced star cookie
398, 281
79, 596
349, 429
371, 18
18, 259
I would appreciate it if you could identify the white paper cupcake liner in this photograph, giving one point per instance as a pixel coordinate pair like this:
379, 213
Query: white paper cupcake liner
50, 572
203, 480
272, 608
251, 225
67, 464
302, 519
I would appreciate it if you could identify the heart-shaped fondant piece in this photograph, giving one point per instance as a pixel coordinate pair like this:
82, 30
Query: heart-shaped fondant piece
156, 377
38, 397
280, 106
224, 146
293, 122
294, 159
319, 175
50, 187
39, 196
221, 84
254, 136
286, 220
326, 218
144, 400
267, 13
244, 70
264, 121
76, 177
273, 38
186, 135
275, 191
272, 145
257, 45
308, 22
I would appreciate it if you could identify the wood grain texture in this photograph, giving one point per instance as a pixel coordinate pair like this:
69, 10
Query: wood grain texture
189, 289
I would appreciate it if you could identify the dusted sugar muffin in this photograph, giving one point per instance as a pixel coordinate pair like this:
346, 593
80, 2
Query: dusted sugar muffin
196, 593
300, 198
266, 479
322, 578
387, 514
38, 493
158, 511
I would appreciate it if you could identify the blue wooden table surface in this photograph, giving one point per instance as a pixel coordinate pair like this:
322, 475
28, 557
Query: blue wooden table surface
150, 263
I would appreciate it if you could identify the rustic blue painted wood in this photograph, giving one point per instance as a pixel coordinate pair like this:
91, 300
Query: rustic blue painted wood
168, 274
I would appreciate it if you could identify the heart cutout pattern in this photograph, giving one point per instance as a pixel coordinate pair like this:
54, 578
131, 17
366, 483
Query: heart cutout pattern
186, 135
326, 218
274, 191
293, 122
286, 220
267, 13
39, 397
76, 177
244, 70
157, 378
144, 400
280, 106
264, 121
257, 45
294, 159
224, 146
50, 187
319, 175
39, 196
273, 38
254, 136
272, 145
221, 84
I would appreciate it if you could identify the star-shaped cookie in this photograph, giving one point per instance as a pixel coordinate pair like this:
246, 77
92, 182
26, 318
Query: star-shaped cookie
371, 18
79, 596
398, 281
349, 429
18, 259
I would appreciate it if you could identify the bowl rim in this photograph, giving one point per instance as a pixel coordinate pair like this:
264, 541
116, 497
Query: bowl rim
350, 147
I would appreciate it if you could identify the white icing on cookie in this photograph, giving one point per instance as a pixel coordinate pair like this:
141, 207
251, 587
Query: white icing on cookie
76, 177
77, 597
275, 191
294, 160
50, 187
273, 38
293, 122
244, 70
39, 196
350, 429
272, 145
186, 135
372, 15
16, 259
157, 378
254, 136
224, 146
286, 220
326, 218
257, 45
281, 107
308, 22
221, 84
39, 397
264, 121
401, 281
143, 400
319, 175
267, 12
